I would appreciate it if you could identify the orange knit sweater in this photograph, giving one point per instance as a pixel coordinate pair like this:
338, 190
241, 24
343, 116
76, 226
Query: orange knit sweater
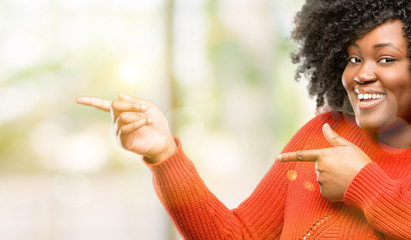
287, 203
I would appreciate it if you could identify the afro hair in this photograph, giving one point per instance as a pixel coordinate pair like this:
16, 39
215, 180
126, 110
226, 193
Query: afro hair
323, 31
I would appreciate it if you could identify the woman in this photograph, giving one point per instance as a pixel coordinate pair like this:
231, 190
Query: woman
345, 174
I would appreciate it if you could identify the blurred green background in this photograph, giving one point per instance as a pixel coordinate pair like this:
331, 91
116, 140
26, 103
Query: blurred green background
220, 71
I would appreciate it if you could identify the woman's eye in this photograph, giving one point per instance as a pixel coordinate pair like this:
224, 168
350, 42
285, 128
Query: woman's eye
354, 60
387, 60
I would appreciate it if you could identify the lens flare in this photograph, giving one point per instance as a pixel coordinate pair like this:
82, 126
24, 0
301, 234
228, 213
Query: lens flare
292, 175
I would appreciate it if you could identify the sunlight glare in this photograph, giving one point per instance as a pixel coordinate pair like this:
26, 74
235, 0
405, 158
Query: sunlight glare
129, 73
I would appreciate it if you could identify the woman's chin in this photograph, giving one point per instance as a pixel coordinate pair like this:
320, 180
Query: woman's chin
379, 125
367, 126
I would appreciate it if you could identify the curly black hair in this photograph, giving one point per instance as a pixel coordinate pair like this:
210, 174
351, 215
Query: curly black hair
323, 31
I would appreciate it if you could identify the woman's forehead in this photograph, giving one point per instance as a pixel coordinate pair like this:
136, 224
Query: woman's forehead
389, 33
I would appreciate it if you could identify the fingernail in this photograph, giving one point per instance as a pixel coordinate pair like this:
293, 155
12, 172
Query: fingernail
330, 131
279, 157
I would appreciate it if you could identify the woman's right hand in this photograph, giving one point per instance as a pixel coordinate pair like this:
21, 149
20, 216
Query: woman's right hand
139, 126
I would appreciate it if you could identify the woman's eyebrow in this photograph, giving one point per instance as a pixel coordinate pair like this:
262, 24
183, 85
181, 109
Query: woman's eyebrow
381, 45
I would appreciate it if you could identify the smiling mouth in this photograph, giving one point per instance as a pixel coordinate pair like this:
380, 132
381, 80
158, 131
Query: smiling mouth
368, 96
369, 99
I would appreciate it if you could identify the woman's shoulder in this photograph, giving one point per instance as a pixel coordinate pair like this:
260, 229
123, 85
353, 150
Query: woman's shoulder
311, 135
335, 119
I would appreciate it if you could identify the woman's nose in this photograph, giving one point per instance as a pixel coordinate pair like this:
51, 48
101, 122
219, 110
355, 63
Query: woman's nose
366, 74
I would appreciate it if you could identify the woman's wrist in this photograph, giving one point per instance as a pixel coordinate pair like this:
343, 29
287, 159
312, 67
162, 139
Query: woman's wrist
171, 148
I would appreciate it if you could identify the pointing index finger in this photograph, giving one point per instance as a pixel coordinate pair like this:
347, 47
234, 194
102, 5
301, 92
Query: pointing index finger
102, 104
122, 106
299, 156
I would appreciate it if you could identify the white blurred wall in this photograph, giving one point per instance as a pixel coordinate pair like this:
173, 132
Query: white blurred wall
62, 176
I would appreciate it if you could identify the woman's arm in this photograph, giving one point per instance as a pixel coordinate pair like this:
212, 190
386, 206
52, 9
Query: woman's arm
141, 127
260, 216
198, 214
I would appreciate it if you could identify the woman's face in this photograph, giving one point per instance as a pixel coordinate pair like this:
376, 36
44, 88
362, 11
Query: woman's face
377, 78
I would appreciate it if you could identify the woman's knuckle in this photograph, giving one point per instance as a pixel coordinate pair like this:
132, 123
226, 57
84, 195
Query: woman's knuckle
123, 116
114, 104
300, 155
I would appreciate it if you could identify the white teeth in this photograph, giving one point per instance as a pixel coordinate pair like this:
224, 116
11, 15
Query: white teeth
367, 96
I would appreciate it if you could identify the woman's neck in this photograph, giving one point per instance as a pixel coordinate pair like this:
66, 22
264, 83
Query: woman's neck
399, 137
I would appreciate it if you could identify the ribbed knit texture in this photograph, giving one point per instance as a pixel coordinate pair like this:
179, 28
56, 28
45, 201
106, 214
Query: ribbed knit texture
287, 203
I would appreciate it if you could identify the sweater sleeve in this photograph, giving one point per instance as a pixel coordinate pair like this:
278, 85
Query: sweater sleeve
194, 210
198, 214
385, 202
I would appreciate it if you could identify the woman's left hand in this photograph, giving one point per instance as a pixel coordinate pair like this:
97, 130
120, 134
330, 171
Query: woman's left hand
336, 167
